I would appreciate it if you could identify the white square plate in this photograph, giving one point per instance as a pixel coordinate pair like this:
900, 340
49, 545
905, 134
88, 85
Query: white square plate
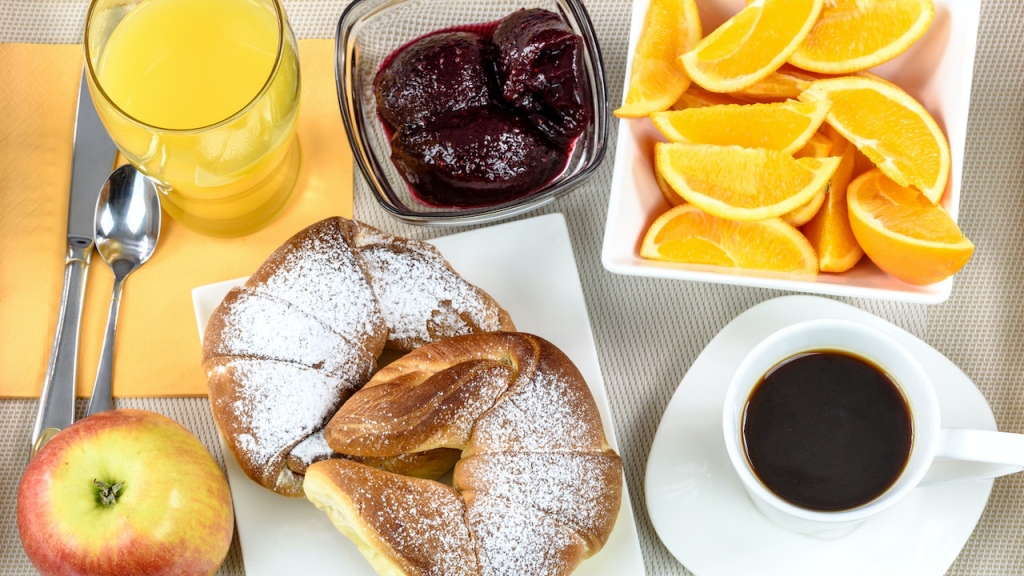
528, 266
937, 70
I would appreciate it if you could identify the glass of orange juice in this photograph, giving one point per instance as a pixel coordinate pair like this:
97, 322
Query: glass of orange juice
202, 96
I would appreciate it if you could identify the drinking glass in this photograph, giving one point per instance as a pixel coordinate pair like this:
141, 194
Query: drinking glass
235, 170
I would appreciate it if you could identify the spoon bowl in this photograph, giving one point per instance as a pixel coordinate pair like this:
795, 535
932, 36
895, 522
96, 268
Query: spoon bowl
127, 228
127, 219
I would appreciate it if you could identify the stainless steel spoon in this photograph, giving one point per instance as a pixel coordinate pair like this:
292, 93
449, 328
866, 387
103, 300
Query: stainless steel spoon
127, 229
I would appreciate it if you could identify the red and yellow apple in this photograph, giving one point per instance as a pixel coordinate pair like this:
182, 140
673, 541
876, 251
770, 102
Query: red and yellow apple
125, 492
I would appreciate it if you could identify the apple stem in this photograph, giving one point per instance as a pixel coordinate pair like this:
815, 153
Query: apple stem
108, 493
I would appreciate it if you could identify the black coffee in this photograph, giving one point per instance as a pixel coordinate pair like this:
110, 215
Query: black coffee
827, 431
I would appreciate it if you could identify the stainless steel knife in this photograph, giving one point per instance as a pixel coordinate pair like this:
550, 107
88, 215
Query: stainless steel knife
94, 155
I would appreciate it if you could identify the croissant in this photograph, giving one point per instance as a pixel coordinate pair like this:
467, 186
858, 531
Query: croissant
284, 351
537, 489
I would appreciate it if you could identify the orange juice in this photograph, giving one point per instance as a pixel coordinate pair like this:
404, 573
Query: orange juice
202, 95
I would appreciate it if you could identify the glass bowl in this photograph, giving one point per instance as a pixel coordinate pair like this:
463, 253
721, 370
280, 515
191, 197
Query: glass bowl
370, 30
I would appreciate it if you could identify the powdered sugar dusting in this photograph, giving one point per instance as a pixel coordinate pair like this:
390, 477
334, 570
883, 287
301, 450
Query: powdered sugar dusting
422, 521
280, 404
312, 449
321, 277
542, 414
262, 326
574, 487
422, 299
516, 540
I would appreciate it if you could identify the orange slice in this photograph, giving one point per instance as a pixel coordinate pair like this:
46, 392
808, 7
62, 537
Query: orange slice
671, 196
903, 232
818, 146
852, 35
686, 234
786, 82
671, 27
829, 230
751, 45
741, 183
861, 163
890, 128
784, 126
697, 97
803, 214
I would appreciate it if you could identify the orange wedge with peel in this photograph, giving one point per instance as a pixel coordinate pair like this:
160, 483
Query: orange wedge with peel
751, 45
686, 234
903, 232
741, 183
853, 35
671, 196
890, 128
784, 126
818, 146
803, 214
656, 80
785, 83
697, 97
829, 230
861, 163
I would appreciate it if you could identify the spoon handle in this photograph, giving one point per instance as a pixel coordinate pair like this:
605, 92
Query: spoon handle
102, 390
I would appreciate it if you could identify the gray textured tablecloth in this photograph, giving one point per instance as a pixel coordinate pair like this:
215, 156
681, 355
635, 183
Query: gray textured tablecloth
649, 331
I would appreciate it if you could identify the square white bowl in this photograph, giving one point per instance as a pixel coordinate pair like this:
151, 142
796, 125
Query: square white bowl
937, 70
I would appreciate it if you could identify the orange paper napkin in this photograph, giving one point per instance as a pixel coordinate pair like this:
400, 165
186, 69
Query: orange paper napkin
157, 352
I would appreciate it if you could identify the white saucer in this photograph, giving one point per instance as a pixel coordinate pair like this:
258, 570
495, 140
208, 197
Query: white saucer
707, 521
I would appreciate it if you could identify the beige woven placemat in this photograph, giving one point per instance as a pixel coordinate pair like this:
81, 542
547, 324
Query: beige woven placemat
649, 331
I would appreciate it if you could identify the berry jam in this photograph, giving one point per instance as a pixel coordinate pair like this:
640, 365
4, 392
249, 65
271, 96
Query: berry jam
484, 113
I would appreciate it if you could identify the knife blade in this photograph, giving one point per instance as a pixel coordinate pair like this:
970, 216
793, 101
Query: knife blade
93, 158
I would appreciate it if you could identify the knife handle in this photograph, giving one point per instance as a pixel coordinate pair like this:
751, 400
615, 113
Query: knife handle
57, 402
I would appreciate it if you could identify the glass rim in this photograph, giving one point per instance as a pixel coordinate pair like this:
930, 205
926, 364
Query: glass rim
279, 56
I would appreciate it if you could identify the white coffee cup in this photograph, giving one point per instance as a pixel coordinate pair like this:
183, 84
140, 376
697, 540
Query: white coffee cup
983, 454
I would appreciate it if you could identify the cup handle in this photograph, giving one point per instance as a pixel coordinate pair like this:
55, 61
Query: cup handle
965, 455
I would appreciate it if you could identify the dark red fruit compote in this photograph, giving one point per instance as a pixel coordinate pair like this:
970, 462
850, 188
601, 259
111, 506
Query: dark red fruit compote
486, 113
487, 155
540, 63
433, 77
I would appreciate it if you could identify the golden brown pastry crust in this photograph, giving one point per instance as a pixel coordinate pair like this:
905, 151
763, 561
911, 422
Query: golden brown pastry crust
284, 351
424, 519
540, 484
